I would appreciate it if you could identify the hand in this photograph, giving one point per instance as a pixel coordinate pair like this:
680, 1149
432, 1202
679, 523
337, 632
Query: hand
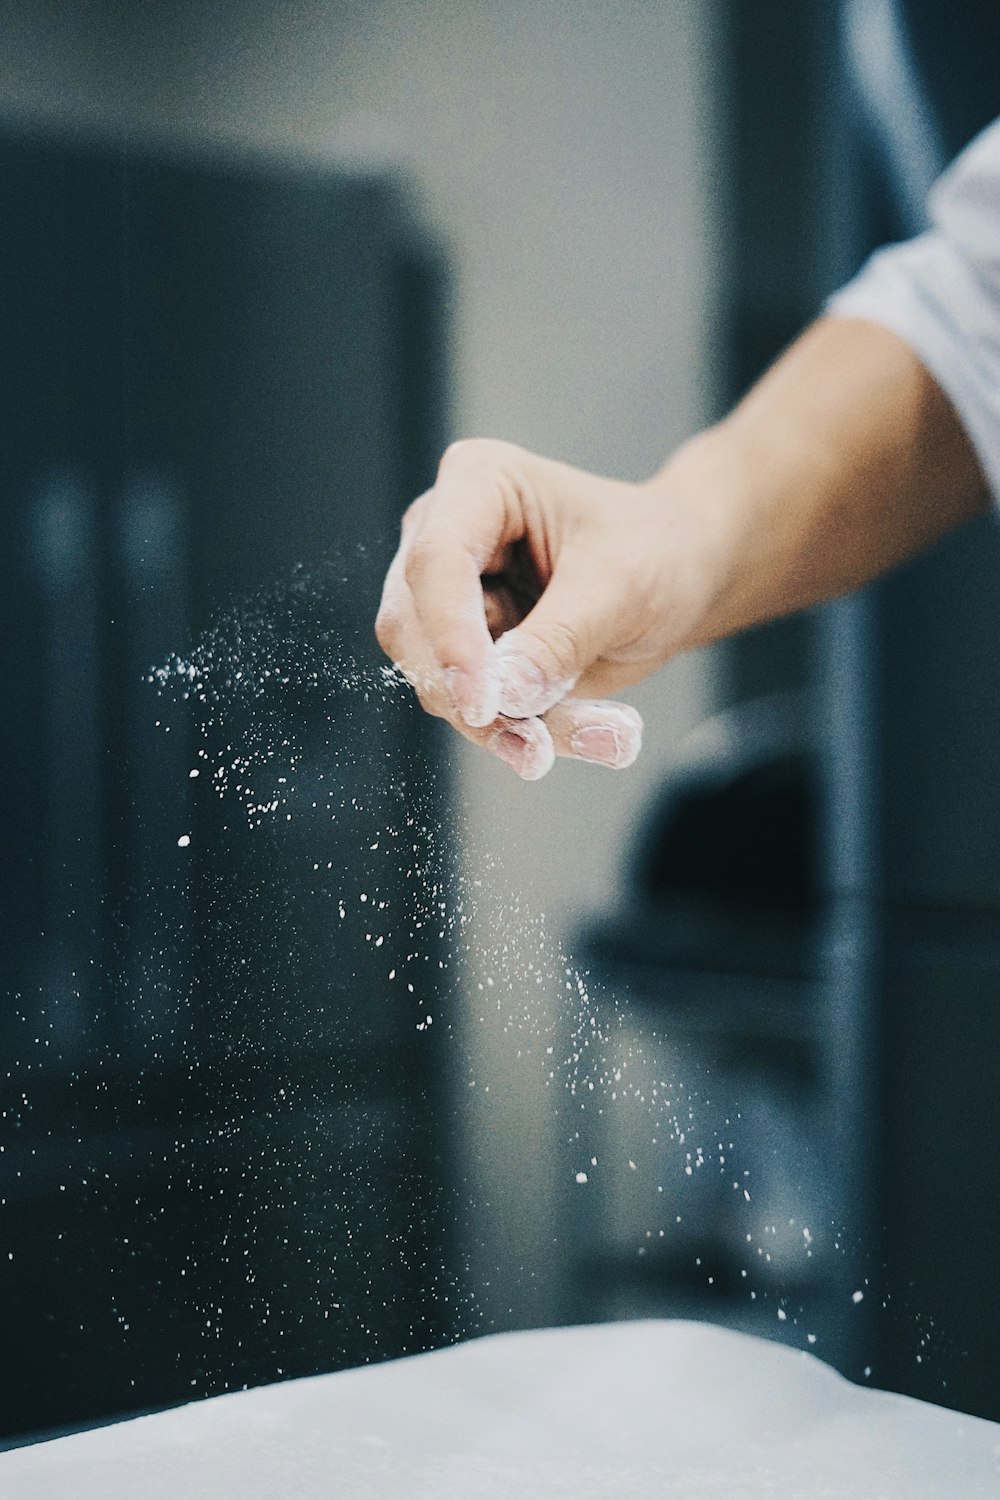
525, 591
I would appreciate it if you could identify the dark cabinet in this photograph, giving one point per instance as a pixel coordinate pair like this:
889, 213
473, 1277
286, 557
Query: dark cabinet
222, 1157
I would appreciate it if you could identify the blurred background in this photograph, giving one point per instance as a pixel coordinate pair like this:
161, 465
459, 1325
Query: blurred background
717, 1038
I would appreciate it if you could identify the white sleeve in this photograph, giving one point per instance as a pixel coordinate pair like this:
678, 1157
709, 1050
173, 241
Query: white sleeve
940, 293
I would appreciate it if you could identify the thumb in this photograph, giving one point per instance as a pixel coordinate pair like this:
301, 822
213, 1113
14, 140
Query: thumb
576, 620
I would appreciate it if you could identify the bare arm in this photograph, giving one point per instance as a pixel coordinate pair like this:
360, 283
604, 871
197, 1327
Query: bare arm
526, 592
844, 459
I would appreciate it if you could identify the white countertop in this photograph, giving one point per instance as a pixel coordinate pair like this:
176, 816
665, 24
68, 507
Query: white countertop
665, 1409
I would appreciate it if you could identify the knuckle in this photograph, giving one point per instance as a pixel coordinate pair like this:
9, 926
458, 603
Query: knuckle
460, 452
414, 513
429, 705
475, 453
417, 562
562, 650
387, 627
430, 700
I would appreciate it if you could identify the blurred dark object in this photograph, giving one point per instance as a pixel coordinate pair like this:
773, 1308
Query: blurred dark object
221, 1155
854, 1021
955, 51
906, 684
721, 945
728, 865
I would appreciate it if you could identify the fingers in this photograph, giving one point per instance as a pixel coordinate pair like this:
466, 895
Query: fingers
469, 527
462, 666
401, 638
602, 733
524, 744
573, 623
452, 590
488, 498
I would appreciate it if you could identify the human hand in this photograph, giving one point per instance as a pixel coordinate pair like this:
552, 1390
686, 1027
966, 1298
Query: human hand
524, 592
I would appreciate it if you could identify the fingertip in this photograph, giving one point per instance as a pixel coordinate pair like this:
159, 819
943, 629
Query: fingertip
525, 691
476, 695
526, 746
600, 733
607, 745
539, 760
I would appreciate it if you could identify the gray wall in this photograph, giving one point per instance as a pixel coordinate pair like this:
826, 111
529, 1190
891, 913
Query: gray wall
567, 156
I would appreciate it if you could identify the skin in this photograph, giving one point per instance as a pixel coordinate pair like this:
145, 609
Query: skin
526, 594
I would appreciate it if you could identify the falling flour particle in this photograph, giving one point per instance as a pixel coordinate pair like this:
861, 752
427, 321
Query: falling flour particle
857, 1297
593, 1062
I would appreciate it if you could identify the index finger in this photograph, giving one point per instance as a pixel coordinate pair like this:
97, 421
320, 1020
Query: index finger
467, 523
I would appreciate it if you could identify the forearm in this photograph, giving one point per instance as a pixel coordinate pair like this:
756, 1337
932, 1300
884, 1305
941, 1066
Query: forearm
527, 594
844, 459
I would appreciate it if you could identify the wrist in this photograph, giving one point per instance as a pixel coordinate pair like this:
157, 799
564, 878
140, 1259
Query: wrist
707, 498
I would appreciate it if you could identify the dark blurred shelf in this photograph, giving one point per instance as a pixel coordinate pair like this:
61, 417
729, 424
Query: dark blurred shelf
705, 1004
213, 1088
224, 1156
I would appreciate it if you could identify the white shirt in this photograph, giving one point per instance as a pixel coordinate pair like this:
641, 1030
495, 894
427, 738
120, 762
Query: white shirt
940, 293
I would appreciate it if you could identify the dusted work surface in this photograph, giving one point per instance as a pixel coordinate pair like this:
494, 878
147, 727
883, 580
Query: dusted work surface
664, 1409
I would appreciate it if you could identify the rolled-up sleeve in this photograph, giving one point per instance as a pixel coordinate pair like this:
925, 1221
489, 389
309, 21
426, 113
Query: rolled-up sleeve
940, 293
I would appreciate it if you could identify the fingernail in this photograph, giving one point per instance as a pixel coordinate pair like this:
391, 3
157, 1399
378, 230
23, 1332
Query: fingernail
524, 690
477, 702
511, 748
531, 755
522, 687
605, 746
